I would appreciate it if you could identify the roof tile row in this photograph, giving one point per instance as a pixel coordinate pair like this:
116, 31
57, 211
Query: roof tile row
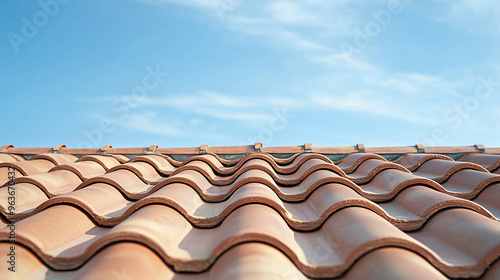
427, 213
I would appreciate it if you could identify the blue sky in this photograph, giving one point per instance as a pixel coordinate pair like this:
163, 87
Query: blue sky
181, 73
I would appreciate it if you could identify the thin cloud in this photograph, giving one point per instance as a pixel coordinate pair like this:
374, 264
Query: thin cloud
202, 99
314, 31
359, 102
291, 13
204, 4
477, 17
222, 106
150, 122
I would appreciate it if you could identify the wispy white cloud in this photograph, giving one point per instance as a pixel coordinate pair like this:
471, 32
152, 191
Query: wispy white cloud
249, 109
275, 35
150, 122
367, 103
291, 13
478, 17
314, 30
413, 84
222, 106
201, 99
205, 4
338, 60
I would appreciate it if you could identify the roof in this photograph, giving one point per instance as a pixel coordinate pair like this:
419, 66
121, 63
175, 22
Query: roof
250, 212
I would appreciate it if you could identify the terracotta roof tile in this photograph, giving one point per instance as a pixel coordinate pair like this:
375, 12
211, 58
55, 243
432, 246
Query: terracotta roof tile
352, 161
240, 212
144, 170
57, 159
414, 161
84, 169
490, 162
10, 158
163, 166
440, 170
106, 162
26, 168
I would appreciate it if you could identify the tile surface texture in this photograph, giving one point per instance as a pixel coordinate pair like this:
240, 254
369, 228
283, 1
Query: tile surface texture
242, 214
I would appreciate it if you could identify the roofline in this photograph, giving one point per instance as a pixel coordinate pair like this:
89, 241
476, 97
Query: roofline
233, 150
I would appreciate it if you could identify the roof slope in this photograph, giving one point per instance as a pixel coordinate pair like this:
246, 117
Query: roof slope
289, 214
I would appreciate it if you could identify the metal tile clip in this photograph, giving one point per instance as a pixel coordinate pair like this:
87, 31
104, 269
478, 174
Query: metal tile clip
257, 147
307, 148
203, 149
